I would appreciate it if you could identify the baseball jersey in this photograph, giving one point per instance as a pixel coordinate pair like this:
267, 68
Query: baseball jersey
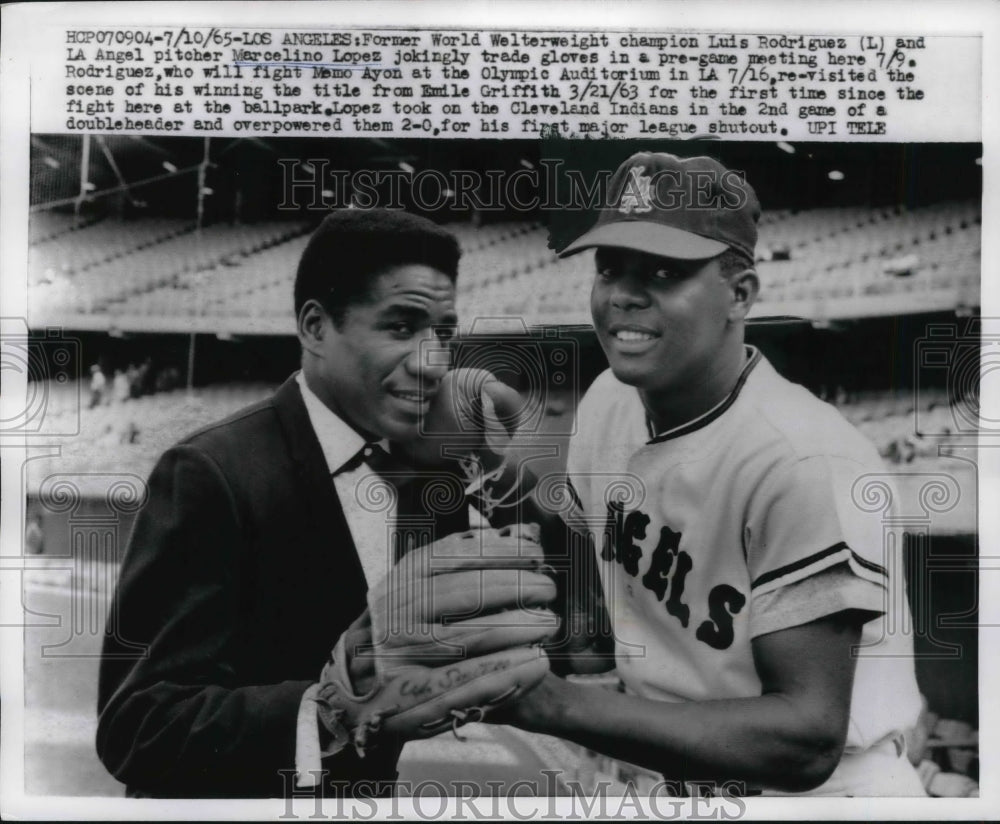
744, 521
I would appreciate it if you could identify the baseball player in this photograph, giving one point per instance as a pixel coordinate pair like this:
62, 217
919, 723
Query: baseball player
747, 587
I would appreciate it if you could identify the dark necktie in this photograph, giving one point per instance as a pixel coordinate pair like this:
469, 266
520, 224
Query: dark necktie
413, 525
429, 504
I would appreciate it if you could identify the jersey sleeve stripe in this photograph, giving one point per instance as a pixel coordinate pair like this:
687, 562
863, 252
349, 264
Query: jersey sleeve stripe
871, 566
821, 560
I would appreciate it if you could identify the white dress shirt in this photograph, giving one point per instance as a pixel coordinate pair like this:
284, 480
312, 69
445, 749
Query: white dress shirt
368, 501
369, 505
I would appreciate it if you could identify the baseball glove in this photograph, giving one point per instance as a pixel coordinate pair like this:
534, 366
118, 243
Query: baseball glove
472, 413
454, 632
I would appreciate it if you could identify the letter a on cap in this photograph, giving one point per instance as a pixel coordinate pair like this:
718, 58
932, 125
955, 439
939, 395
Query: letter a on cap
635, 193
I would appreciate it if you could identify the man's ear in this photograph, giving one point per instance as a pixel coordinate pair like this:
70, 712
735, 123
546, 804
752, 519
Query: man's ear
744, 285
312, 325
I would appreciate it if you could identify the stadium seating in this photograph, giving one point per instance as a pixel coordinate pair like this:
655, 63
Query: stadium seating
908, 427
116, 268
45, 226
101, 242
904, 428
844, 254
845, 262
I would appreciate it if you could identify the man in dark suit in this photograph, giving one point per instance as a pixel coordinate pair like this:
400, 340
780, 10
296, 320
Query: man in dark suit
255, 552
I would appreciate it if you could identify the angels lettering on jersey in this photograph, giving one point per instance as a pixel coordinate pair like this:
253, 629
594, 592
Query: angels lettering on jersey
667, 574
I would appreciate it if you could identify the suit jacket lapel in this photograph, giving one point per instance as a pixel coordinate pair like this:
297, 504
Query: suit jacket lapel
315, 484
320, 494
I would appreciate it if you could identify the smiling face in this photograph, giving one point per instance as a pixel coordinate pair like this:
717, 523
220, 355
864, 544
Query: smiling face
379, 368
666, 325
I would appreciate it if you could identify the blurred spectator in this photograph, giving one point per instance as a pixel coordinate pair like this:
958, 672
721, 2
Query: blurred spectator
168, 379
134, 381
98, 386
34, 538
120, 387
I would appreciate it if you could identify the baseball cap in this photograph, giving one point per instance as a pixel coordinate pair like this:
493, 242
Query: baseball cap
687, 208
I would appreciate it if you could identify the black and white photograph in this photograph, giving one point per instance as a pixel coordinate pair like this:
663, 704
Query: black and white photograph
528, 469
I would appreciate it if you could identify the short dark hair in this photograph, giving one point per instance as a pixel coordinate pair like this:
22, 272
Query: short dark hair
734, 260
351, 246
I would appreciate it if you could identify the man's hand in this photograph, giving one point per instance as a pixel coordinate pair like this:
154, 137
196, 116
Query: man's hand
454, 629
534, 711
360, 668
465, 595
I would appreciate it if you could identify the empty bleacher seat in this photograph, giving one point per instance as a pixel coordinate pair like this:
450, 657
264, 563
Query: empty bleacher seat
163, 267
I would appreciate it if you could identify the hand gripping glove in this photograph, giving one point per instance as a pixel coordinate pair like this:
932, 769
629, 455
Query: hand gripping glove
454, 629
